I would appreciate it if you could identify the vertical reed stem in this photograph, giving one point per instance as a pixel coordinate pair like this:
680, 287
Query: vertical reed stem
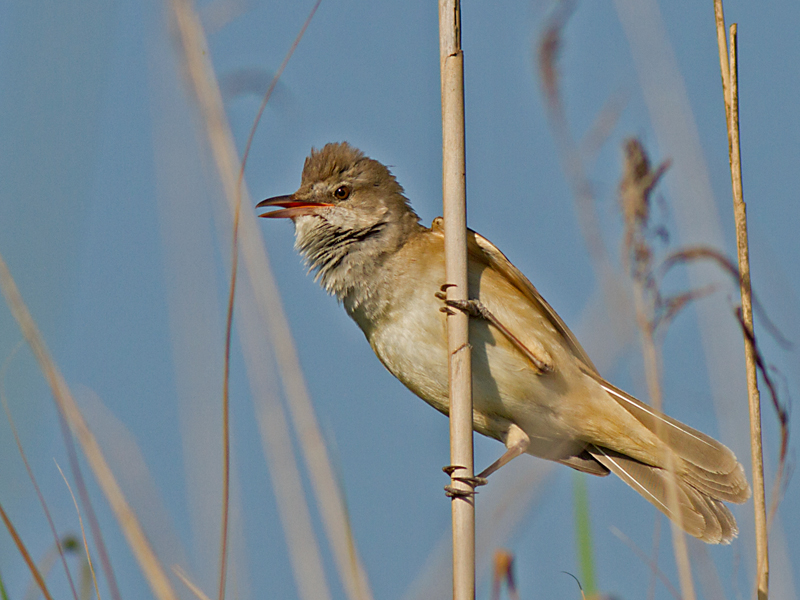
454, 199
754, 399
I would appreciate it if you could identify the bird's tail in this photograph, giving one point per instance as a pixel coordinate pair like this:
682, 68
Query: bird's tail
707, 473
700, 515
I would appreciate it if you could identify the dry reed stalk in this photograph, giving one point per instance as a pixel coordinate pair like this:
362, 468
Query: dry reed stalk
635, 188
728, 58
455, 235
724, 67
269, 312
131, 528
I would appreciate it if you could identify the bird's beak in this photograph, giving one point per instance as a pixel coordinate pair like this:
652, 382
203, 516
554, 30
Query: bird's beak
292, 207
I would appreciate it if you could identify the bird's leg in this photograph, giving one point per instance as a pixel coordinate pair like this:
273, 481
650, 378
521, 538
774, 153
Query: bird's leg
475, 308
516, 443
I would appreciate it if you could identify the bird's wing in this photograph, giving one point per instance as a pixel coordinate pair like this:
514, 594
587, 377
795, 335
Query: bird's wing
479, 248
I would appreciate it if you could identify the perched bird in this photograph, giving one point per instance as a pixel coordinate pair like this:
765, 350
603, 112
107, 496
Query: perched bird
534, 387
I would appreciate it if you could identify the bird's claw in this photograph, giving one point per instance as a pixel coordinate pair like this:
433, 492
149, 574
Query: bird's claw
455, 492
473, 308
442, 293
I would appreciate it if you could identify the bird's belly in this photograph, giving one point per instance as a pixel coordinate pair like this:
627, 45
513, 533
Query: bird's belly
412, 344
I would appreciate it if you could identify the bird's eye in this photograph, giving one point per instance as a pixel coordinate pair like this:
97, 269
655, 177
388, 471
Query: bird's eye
342, 192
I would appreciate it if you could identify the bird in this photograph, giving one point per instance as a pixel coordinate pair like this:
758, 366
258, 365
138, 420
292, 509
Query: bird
535, 389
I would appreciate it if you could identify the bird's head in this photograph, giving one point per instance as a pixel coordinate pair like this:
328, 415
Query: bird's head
349, 209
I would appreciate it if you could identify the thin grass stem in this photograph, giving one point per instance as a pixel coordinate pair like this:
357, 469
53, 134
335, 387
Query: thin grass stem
37, 576
83, 531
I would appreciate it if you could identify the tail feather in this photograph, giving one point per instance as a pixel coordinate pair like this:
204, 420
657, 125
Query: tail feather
700, 515
706, 464
731, 487
707, 472
690, 444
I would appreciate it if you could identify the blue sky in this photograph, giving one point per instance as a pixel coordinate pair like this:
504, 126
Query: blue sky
112, 222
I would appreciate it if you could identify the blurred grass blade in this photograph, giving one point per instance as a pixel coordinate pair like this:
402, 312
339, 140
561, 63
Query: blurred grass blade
58, 545
231, 298
583, 534
140, 546
184, 577
3, 593
268, 315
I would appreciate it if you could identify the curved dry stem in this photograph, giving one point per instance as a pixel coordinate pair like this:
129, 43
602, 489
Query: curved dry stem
694, 253
229, 316
83, 531
569, 151
266, 309
83, 493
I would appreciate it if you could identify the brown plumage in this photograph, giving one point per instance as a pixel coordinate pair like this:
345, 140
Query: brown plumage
534, 387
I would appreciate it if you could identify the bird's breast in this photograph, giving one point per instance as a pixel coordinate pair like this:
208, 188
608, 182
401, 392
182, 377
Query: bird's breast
407, 330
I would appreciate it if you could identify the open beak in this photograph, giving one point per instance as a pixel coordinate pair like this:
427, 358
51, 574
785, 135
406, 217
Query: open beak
292, 207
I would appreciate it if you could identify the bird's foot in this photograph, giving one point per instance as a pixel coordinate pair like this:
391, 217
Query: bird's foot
473, 308
540, 358
456, 492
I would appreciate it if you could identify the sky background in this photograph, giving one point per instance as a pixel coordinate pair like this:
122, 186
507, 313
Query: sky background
113, 223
